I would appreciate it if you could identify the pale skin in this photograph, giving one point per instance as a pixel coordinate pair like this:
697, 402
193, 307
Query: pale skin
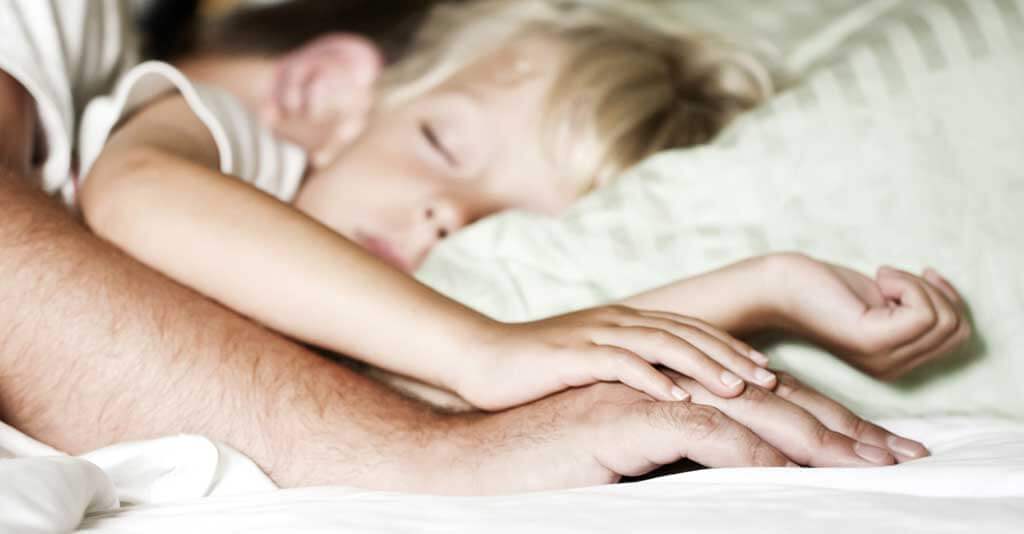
156, 191
214, 385
77, 305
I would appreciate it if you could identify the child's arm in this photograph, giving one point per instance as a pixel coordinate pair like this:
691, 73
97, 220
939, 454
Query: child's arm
886, 326
739, 298
153, 192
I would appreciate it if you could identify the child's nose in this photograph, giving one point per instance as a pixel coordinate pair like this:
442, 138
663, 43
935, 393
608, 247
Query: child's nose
443, 218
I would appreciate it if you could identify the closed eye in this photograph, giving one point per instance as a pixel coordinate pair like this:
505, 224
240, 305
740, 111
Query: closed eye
435, 142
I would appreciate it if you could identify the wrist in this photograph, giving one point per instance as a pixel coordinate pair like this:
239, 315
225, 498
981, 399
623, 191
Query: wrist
473, 354
777, 273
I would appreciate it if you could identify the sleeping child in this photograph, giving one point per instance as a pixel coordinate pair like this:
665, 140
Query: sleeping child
301, 188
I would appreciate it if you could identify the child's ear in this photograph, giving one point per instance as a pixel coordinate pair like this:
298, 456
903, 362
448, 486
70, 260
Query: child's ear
332, 74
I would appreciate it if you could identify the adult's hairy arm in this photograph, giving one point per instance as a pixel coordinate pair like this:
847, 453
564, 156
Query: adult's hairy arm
96, 349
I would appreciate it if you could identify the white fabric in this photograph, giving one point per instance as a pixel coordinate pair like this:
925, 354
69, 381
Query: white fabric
64, 52
901, 146
973, 483
46, 491
67, 53
247, 149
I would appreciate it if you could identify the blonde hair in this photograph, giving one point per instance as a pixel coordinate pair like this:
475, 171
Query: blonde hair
630, 87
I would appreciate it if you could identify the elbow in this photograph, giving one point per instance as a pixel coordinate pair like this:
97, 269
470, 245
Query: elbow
117, 188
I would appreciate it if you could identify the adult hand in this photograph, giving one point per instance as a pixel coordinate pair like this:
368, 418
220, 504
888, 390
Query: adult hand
885, 326
808, 427
597, 435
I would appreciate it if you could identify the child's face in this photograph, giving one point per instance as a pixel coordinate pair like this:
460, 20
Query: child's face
467, 149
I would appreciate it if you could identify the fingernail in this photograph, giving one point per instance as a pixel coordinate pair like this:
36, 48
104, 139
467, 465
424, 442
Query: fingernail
758, 357
680, 395
764, 377
906, 447
731, 380
872, 454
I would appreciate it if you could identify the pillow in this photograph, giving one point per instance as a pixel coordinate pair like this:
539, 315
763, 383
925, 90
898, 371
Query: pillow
902, 144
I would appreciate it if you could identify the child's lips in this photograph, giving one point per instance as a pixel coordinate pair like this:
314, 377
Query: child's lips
382, 249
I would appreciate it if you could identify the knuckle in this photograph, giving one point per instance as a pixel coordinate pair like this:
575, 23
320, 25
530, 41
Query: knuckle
948, 323
784, 376
703, 421
851, 425
787, 385
698, 420
763, 454
755, 394
820, 436
926, 319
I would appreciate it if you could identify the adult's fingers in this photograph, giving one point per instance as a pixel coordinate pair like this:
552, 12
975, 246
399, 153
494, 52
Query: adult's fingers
792, 430
840, 419
658, 345
668, 432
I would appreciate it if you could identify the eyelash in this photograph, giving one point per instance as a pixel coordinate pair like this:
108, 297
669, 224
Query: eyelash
428, 132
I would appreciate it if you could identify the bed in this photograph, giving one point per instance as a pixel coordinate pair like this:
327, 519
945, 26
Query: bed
897, 137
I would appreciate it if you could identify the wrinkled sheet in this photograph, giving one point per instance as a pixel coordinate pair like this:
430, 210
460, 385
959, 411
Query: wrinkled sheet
973, 483
43, 490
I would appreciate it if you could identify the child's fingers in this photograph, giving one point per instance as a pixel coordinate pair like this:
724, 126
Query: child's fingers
737, 345
621, 365
925, 348
911, 317
657, 345
962, 334
945, 286
712, 347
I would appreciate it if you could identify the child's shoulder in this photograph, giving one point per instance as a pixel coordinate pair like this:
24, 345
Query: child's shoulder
245, 147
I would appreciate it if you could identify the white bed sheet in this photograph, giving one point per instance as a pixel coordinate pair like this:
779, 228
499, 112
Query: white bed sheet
973, 483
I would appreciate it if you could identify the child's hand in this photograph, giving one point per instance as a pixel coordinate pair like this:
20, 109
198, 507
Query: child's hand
527, 361
886, 326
